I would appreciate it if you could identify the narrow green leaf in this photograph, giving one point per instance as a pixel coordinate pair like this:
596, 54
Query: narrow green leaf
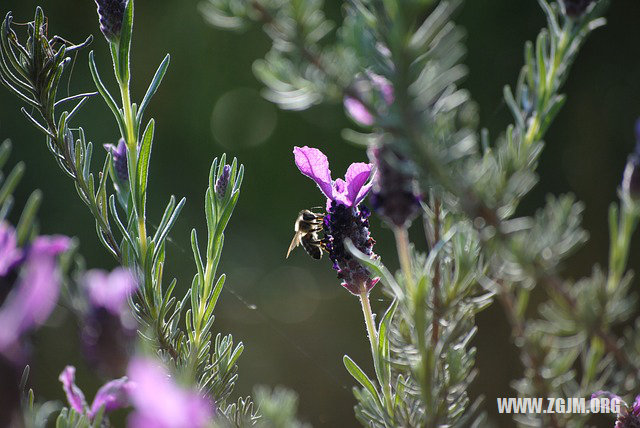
124, 44
12, 181
143, 162
153, 87
105, 93
361, 377
25, 224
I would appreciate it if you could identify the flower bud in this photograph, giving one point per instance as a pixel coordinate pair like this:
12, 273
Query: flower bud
394, 196
119, 157
631, 177
375, 90
109, 329
576, 8
222, 182
111, 15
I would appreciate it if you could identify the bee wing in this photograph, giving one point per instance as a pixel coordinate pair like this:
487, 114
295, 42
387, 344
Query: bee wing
294, 243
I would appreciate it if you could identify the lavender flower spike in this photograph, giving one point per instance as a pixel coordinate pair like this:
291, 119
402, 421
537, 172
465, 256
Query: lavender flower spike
109, 328
345, 219
112, 396
628, 416
222, 183
119, 158
111, 15
395, 195
160, 403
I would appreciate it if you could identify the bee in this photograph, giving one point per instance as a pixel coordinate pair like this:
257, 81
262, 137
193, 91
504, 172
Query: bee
307, 227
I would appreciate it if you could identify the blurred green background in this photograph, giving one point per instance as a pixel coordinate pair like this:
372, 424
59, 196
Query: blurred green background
294, 318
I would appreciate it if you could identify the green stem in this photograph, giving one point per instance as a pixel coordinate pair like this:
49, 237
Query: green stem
373, 340
619, 251
404, 254
533, 133
132, 147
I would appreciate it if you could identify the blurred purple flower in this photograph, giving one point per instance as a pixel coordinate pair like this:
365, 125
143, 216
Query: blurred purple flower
374, 90
119, 159
113, 395
344, 219
576, 8
34, 297
29, 288
358, 111
10, 254
110, 290
160, 403
395, 195
109, 329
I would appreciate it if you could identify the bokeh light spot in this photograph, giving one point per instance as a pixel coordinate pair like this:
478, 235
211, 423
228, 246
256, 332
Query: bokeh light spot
242, 118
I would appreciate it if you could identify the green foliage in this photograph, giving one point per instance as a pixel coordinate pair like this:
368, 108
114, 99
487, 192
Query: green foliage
478, 249
32, 71
278, 408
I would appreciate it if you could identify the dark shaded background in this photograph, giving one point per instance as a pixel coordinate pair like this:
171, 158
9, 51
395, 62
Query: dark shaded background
304, 322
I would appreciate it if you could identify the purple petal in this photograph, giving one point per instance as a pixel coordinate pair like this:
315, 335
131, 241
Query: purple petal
10, 254
358, 111
75, 397
636, 406
112, 395
32, 300
49, 245
384, 86
606, 394
110, 291
159, 402
315, 165
356, 176
340, 192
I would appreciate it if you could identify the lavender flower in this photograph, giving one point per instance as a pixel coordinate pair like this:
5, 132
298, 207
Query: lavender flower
109, 329
112, 396
119, 157
222, 183
34, 297
576, 8
344, 219
629, 416
160, 403
372, 89
395, 196
111, 15
27, 297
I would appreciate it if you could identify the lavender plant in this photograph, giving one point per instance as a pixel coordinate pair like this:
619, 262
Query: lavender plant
114, 306
396, 68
